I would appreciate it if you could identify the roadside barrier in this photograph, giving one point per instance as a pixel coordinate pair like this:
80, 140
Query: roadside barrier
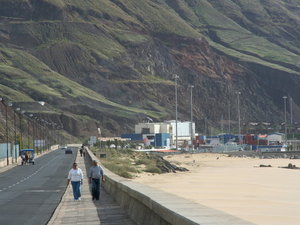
149, 206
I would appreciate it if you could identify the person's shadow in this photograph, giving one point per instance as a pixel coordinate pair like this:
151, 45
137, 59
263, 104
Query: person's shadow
109, 212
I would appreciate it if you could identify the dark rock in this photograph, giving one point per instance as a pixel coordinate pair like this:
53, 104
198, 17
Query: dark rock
165, 166
291, 166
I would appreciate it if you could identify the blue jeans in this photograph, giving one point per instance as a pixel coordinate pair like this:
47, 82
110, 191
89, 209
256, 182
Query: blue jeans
76, 189
96, 189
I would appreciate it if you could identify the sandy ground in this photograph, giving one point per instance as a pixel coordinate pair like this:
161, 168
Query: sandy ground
238, 186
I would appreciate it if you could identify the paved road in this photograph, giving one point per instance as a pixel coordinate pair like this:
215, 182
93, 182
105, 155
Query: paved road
29, 194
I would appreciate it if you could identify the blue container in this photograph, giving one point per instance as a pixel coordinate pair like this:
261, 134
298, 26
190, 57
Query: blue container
162, 140
133, 137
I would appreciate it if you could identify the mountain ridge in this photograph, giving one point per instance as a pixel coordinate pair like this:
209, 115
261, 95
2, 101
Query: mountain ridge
115, 60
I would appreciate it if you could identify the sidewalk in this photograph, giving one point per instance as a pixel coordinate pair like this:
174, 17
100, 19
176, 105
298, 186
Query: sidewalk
87, 212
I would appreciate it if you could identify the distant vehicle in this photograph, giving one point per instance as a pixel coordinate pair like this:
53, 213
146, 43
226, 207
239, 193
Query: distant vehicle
30, 155
68, 151
283, 148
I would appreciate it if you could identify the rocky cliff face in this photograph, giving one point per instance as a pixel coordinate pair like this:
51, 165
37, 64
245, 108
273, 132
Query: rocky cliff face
110, 64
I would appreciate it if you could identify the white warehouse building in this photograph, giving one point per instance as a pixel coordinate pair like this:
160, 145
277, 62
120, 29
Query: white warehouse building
186, 130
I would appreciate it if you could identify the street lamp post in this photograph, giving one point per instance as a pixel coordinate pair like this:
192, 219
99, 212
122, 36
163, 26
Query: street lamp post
15, 129
10, 104
285, 128
99, 132
21, 128
192, 133
6, 130
239, 114
291, 110
33, 130
229, 118
176, 110
28, 133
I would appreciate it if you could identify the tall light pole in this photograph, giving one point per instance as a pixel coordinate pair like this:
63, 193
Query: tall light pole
33, 129
291, 112
291, 109
99, 132
20, 112
42, 141
239, 113
285, 128
28, 132
229, 118
176, 109
10, 104
192, 133
6, 130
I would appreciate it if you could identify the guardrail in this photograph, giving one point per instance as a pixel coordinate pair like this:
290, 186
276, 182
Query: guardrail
149, 206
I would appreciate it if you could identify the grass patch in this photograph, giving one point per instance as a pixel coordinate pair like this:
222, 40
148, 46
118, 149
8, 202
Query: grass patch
17, 96
127, 163
153, 169
147, 79
105, 47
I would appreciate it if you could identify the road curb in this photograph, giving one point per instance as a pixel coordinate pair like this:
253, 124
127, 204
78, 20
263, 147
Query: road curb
54, 215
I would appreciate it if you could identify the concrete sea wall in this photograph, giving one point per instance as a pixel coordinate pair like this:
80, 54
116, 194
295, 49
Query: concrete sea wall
148, 206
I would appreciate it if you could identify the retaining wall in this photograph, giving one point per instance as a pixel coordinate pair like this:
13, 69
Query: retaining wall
149, 206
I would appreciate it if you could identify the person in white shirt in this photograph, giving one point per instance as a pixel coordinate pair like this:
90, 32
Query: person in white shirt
76, 178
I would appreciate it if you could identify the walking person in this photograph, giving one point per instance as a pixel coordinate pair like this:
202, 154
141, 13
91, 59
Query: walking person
26, 158
95, 176
84, 150
81, 150
23, 159
76, 178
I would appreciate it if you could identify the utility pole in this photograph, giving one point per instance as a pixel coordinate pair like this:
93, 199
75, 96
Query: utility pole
192, 133
239, 113
176, 110
291, 110
229, 118
285, 128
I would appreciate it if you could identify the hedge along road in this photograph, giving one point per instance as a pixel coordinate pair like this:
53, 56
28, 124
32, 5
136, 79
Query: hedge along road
29, 194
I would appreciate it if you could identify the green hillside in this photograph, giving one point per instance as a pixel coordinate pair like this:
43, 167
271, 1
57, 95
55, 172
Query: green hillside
112, 62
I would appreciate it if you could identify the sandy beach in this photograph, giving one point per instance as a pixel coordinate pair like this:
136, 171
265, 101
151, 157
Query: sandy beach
238, 186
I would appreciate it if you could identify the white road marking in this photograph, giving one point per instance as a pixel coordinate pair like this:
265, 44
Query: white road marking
42, 191
24, 179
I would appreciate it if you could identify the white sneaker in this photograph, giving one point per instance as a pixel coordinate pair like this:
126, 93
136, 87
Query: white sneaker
79, 199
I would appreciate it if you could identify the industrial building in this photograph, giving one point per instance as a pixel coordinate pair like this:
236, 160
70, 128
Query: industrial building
163, 134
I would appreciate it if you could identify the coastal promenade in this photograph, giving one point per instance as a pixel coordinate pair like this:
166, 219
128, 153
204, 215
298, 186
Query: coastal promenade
88, 212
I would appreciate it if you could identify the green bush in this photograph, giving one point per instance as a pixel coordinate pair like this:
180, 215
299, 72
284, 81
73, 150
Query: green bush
143, 162
153, 170
125, 174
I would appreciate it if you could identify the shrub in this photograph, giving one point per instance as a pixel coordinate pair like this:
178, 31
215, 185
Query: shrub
125, 174
153, 170
143, 162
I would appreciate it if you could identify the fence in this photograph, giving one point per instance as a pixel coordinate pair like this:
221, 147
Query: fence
9, 150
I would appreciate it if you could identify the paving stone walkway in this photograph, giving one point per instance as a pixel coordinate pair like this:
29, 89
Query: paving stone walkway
86, 212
